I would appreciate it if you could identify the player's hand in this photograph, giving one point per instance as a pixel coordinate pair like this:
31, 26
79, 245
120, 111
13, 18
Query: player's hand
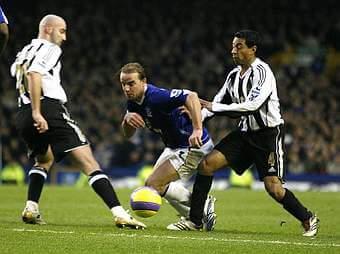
206, 104
39, 122
195, 140
135, 120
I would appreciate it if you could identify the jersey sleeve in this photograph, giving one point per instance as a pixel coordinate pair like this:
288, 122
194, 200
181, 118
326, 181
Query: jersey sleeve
217, 99
260, 91
205, 113
45, 59
169, 99
3, 18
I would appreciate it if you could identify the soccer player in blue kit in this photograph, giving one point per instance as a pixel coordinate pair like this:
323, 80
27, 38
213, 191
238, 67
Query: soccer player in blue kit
3, 31
186, 141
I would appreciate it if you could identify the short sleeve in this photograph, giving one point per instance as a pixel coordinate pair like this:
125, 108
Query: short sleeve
169, 99
3, 18
45, 59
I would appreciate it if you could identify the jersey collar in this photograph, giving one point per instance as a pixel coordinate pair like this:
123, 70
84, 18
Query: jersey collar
142, 100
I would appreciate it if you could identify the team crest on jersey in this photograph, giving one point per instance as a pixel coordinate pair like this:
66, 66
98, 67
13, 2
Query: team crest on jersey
175, 93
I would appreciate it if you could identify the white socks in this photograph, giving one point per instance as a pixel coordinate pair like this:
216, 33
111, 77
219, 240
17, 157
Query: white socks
32, 205
179, 197
118, 211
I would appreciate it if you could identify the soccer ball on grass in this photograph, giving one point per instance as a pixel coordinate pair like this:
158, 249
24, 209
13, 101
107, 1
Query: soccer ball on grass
145, 201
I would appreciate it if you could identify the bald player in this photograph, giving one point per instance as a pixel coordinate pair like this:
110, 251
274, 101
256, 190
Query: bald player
46, 126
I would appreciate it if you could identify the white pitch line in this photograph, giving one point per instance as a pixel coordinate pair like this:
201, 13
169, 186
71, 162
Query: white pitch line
183, 237
42, 231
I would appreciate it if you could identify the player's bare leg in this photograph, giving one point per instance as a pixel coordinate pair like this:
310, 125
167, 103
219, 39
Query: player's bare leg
102, 186
309, 221
162, 176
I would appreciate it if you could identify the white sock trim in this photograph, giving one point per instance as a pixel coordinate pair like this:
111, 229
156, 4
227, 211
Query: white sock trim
37, 171
97, 177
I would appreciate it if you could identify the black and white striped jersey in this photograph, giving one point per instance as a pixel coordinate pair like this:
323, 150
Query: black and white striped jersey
43, 57
253, 96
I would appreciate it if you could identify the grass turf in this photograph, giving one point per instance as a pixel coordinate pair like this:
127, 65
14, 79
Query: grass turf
248, 222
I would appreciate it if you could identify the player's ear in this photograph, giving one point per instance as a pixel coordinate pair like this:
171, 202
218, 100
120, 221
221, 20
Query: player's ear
48, 29
254, 48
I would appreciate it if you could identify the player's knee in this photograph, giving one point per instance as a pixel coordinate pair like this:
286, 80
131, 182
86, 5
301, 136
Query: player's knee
46, 164
44, 160
155, 184
84, 159
88, 165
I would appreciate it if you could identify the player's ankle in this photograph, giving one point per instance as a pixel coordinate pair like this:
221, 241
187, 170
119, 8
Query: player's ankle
32, 205
118, 211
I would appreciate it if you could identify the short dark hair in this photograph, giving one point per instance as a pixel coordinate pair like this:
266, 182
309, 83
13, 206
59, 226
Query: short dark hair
251, 37
134, 67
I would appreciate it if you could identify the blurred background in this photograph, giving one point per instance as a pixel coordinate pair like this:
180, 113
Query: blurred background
184, 44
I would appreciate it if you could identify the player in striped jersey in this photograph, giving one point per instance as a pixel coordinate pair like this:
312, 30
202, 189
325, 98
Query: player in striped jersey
250, 93
186, 141
46, 126
4, 34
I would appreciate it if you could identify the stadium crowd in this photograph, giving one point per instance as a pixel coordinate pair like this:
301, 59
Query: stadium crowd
186, 44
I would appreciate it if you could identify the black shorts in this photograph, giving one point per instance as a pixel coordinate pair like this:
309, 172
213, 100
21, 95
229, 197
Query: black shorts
63, 134
263, 148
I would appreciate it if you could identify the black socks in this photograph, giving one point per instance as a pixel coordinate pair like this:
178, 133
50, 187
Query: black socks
199, 195
102, 186
294, 207
37, 177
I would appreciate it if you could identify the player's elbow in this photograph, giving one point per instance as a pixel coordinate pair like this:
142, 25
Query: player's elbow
192, 97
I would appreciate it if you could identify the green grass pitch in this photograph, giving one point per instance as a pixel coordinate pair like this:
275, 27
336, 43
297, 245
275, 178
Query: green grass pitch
248, 222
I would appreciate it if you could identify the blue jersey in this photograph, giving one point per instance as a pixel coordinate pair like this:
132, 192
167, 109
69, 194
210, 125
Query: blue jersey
161, 115
3, 18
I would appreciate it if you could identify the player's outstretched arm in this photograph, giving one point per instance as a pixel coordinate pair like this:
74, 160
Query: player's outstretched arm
193, 105
34, 84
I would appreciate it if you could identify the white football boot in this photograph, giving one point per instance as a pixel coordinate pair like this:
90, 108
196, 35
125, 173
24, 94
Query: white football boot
209, 215
125, 220
184, 225
32, 215
311, 226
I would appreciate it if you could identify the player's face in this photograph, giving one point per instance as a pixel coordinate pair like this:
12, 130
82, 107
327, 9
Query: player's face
132, 86
240, 52
58, 35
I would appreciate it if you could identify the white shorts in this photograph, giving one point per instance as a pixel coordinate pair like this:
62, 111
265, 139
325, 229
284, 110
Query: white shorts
185, 160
